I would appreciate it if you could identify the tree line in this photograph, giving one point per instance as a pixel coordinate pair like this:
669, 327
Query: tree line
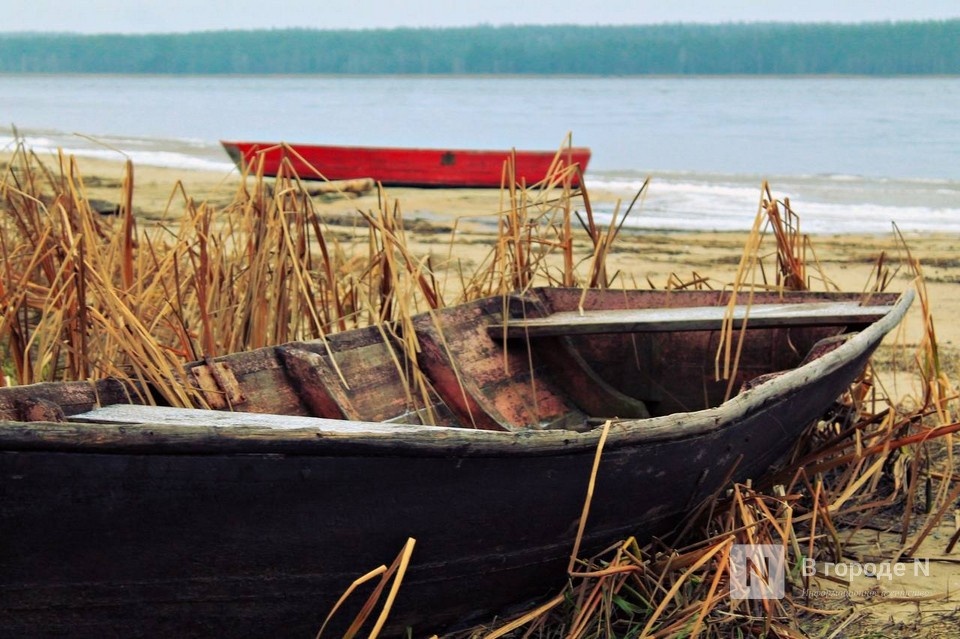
679, 49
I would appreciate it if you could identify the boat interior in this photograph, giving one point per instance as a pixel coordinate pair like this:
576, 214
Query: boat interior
550, 359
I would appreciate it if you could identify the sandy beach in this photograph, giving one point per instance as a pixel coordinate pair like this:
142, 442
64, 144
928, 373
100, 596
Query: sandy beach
458, 226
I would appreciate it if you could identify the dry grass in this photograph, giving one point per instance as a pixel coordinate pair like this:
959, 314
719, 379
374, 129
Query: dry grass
87, 296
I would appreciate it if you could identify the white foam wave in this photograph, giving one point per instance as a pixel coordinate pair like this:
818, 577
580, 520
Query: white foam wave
156, 158
826, 205
184, 153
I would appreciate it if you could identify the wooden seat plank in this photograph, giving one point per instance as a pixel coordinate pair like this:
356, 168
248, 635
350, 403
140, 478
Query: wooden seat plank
700, 318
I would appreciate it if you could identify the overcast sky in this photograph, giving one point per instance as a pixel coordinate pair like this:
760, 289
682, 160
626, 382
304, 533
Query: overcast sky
129, 16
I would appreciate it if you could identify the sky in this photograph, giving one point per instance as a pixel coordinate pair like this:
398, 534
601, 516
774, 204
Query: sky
165, 16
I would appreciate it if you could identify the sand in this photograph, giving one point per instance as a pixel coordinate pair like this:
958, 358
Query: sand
645, 258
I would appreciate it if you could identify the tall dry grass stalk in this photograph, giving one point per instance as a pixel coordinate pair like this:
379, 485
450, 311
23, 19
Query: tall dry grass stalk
791, 251
87, 295
537, 242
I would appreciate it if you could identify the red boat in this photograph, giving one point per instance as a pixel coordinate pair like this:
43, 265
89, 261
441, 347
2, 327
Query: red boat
406, 167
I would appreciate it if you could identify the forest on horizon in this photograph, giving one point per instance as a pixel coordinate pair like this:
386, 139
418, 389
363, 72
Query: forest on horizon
898, 48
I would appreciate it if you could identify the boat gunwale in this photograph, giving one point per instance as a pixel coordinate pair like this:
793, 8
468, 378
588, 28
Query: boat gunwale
430, 441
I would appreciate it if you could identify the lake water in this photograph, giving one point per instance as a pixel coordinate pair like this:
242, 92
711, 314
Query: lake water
853, 154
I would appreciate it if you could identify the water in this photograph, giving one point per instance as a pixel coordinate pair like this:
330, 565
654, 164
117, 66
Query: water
853, 154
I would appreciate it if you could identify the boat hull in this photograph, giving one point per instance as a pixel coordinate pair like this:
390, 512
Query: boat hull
273, 541
406, 167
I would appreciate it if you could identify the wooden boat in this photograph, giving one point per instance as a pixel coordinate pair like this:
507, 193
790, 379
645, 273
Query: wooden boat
448, 168
126, 520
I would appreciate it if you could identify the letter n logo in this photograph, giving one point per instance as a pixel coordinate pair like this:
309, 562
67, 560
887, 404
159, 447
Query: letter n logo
757, 571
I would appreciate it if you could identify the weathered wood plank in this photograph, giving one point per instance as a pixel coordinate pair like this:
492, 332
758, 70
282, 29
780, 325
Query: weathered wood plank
702, 318
255, 381
489, 385
357, 375
57, 399
169, 416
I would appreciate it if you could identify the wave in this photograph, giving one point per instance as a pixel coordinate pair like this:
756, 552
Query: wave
165, 159
827, 204
182, 153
